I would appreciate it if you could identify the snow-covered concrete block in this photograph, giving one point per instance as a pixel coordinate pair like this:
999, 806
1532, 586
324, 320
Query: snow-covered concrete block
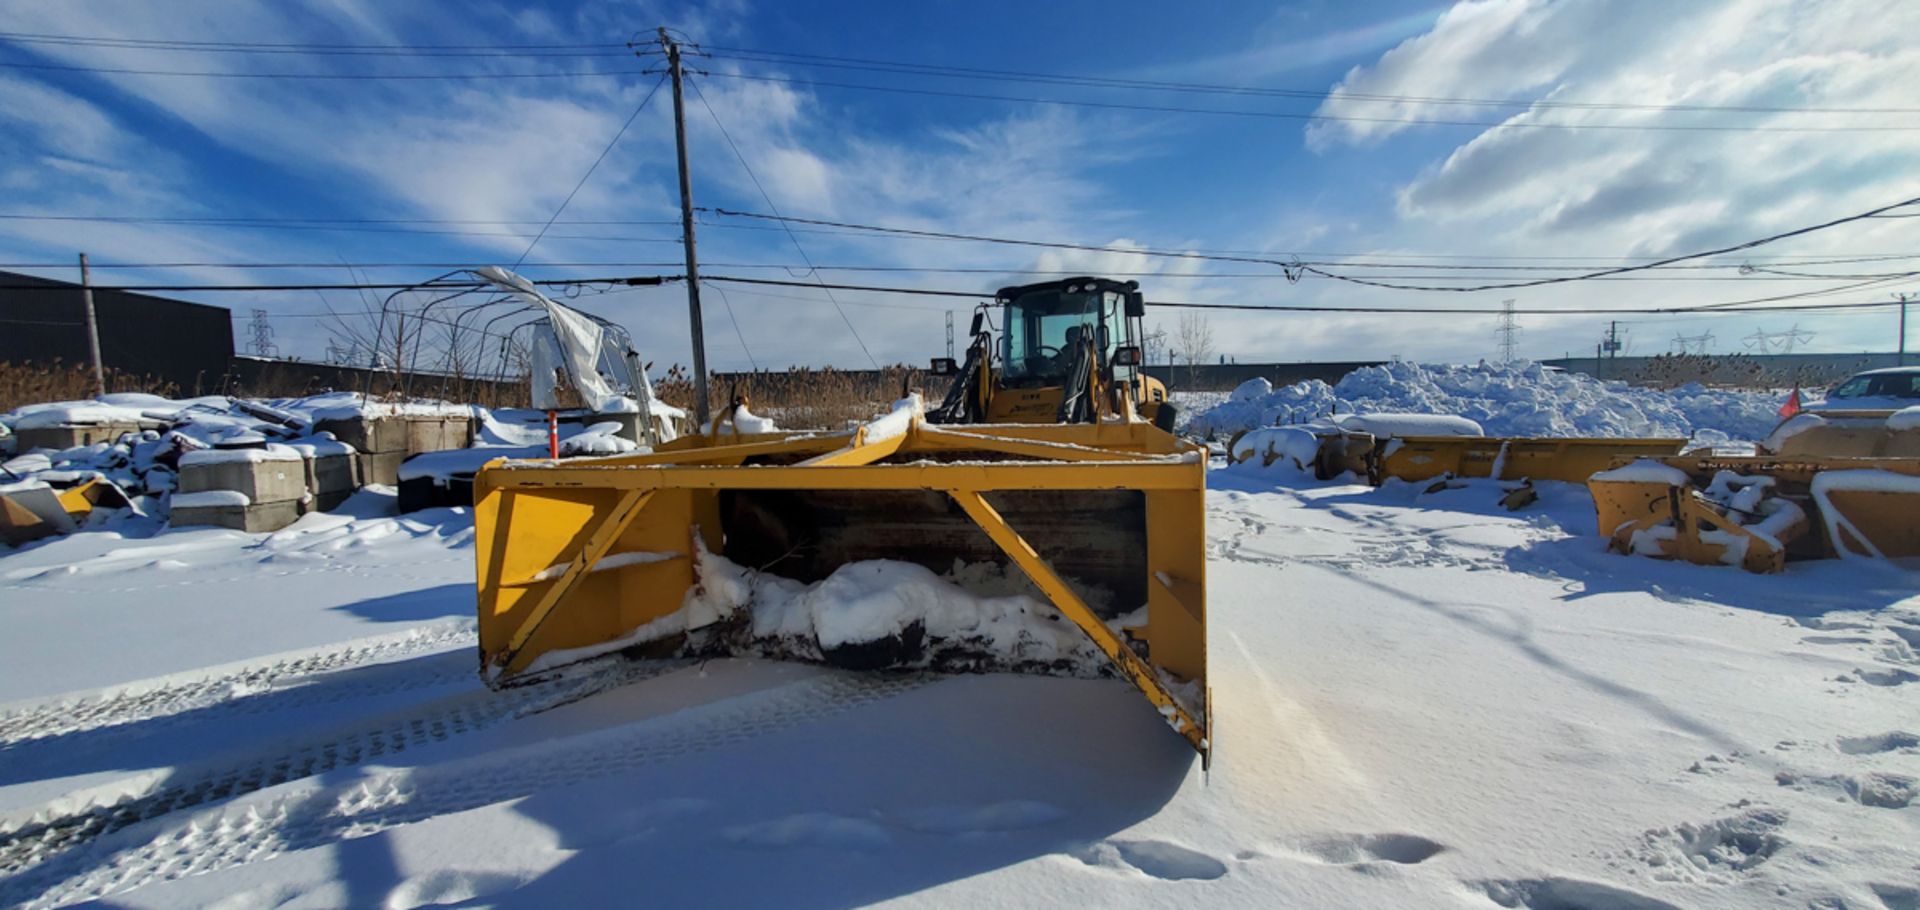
272, 474
408, 433
227, 509
67, 436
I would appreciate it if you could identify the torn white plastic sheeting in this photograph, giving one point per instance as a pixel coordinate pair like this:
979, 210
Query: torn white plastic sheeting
593, 360
1827, 483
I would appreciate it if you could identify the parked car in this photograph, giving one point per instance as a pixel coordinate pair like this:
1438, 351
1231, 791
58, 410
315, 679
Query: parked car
1886, 389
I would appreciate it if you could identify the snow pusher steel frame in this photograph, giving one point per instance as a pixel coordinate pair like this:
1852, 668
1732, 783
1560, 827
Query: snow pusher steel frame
1418, 458
548, 533
1837, 518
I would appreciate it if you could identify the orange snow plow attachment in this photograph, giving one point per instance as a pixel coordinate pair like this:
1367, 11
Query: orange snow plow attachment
582, 556
1757, 512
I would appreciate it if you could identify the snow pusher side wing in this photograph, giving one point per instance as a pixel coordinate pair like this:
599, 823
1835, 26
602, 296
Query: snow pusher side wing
1756, 512
583, 556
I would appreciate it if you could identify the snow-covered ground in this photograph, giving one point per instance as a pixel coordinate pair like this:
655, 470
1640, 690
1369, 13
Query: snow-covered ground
1421, 700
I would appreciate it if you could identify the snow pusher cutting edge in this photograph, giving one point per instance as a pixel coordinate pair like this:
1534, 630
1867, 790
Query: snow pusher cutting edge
1757, 512
585, 556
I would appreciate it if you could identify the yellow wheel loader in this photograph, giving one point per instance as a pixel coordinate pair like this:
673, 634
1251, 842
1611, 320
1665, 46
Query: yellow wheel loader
705, 545
1069, 352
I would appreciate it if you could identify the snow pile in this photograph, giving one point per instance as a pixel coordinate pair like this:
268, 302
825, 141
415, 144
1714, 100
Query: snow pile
598, 439
1904, 419
1506, 400
870, 614
747, 423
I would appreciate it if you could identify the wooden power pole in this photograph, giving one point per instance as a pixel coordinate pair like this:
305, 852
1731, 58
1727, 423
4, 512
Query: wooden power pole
700, 407
93, 328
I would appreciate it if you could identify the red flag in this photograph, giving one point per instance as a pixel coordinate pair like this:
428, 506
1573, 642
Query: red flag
1792, 406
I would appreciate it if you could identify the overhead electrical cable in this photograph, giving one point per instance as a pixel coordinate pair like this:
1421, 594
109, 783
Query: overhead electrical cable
697, 93
1295, 266
590, 169
1312, 117
922, 68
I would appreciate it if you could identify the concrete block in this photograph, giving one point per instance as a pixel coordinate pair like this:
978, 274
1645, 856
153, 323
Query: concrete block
381, 467
322, 502
255, 518
279, 478
332, 473
436, 434
367, 434
414, 434
67, 437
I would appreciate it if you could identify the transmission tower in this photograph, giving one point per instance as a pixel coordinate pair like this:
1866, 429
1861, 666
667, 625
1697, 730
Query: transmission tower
1765, 342
262, 344
1692, 344
1509, 332
949, 334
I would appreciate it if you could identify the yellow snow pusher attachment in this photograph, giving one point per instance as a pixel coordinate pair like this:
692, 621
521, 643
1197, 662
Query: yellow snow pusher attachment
1757, 512
1369, 448
750, 544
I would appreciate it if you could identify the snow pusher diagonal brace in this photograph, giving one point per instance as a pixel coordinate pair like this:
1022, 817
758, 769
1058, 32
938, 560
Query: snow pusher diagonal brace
575, 557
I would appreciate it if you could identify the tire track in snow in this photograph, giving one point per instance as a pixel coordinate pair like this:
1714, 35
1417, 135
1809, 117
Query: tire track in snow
230, 690
48, 832
252, 830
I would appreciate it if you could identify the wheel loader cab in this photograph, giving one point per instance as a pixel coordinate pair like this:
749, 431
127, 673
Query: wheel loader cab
1060, 338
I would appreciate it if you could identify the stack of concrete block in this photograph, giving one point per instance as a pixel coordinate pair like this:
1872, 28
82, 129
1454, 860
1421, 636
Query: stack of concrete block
72, 435
252, 490
332, 471
384, 442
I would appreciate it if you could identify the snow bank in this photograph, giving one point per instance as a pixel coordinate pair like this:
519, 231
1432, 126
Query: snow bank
869, 614
1507, 400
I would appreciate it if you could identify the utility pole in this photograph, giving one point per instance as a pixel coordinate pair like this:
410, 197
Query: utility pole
93, 328
1905, 297
701, 410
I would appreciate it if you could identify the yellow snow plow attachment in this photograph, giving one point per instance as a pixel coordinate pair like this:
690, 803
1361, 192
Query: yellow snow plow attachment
584, 556
1756, 512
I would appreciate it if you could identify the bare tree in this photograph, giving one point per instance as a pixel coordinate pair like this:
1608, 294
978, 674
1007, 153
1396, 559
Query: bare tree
1195, 340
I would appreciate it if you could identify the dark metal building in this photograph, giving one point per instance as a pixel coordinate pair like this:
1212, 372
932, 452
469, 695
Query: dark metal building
186, 344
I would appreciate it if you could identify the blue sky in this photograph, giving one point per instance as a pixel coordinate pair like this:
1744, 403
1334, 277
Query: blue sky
510, 149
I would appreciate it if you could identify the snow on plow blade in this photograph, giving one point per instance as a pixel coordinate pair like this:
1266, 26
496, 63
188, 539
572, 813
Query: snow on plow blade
1757, 512
585, 556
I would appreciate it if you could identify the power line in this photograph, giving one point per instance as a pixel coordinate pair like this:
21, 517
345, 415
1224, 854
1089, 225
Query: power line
1302, 308
1313, 118
697, 93
858, 63
299, 46
1290, 268
631, 281
220, 74
590, 169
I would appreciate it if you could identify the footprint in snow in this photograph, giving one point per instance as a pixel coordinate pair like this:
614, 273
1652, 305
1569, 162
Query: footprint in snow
1875, 743
1157, 858
1359, 850
811, 829
1567, 894
1012, 815
1886, 677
